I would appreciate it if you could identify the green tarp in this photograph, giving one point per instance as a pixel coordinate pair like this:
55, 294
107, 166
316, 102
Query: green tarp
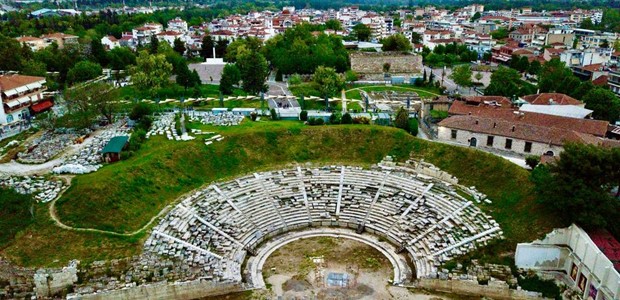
115, 145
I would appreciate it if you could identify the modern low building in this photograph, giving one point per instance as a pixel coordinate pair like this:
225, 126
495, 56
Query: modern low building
586, 262
21, 96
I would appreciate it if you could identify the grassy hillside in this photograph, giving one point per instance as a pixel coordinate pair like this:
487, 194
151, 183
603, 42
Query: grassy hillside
124, 196
14, 214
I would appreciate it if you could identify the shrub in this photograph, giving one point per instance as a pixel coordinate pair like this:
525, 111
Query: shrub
303, 115
145, 123
278, 76
140, 110
346, 119
413, 126
319, 121
532, 161
295, 79
274, 114
253, 116
334, 118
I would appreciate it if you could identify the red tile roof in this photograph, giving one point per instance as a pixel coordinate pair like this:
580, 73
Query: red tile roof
601, 80
545, 99
9, 82
507, 114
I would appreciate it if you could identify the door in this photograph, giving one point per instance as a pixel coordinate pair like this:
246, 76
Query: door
473, 142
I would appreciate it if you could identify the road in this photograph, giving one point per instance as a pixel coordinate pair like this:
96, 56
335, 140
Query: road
277, 88
452, 87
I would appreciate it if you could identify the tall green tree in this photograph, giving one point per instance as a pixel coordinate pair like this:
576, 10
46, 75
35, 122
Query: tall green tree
254, 70
83, 71
506, 82
461, 75
604, 103
578, 186
555, 77
98, 53
91, 101
121, 58
230, 77
10, 52
402, 119
179, 46
151, 71
396, 42
329, 82
361, 32
154, 45
206, 47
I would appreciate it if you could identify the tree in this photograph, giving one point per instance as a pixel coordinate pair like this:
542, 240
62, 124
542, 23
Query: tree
206, 48
179, 46
519, 63
10, 48
584, 88
587, 24
220, 47
154, 46
396, 42
303, 115
402, 119
416, 38
604, 103
475, 17
121, 58
230, 77
461, 75
34, 68
346, 119
500, 33
350, 76
98, 53
617, 45
151, 71
504, 82
578, 186
254, 70
329, 82
478, 77
184, 76
555, 77
92, 100
604, 44
361, 32
333, 24
534, 67
83, 71
532, 161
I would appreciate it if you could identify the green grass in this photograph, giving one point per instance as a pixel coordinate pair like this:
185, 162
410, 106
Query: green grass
14, 214
438, 114
124, 196
175, 91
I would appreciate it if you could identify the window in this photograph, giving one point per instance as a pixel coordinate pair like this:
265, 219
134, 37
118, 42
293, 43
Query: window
453, 135
508, 143
9, 118
528, 147
490, 140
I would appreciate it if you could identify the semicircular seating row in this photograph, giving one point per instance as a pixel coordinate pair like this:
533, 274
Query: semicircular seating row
213, 228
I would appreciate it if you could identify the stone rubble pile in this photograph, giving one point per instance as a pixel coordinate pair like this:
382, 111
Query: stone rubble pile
44, 190
47, 147
492, 274
220, 119
164, 125
89, 159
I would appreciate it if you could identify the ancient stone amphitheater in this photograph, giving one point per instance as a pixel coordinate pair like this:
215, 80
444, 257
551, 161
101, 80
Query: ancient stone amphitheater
417, 221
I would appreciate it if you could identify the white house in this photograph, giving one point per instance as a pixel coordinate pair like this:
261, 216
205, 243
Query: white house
110, 42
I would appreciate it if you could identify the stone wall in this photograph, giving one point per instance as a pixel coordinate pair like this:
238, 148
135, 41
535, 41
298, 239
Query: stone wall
50, 283
370, 64
472, 288
15, 282
185, 290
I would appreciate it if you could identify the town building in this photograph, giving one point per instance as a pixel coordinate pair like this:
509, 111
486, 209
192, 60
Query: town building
21, 96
